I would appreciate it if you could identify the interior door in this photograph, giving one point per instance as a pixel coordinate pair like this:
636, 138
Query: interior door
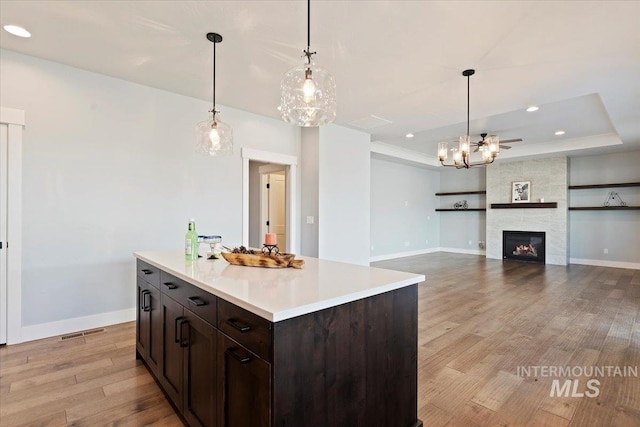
4, 138
277, 208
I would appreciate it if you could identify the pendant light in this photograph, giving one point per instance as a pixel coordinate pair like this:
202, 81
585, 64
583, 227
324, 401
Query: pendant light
214, 137
462, 154
308, 91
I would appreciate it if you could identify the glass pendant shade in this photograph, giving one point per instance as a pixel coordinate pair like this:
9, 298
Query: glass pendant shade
465, 141
214, 137
443, 147
494, 145
308, 96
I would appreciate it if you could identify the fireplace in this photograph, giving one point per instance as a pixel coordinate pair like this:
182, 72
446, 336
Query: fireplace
524, 246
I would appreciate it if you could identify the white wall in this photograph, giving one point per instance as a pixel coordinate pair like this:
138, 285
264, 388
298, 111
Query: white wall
343, 194
591, 232
109, 168
457, 229
309, 165
403, 206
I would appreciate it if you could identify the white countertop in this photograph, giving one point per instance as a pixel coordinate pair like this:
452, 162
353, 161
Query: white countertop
282, 293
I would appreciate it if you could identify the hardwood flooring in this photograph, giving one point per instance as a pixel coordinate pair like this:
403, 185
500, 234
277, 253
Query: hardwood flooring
480, 320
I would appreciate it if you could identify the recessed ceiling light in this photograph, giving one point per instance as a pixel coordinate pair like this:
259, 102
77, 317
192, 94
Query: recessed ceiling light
17, 31
409, 135
532, 109
560, 132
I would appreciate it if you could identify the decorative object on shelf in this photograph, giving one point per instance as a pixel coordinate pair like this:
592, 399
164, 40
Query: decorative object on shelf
521, 192
213, 136
613, 196
215, 245
308, 91
461, 205
462, 154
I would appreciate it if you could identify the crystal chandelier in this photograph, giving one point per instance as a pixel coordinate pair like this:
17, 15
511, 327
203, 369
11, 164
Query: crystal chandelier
214, 137
490, 147
308, 91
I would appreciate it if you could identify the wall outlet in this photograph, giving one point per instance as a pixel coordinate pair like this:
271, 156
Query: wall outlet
606, 251
406, 244
470, 242
372, 248
426, 241
310, 220
428, 218
406, 203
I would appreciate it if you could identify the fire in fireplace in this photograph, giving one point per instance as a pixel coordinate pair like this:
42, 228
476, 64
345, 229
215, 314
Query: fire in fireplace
524, 246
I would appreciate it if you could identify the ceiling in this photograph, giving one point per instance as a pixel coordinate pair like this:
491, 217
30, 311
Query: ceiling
400, 61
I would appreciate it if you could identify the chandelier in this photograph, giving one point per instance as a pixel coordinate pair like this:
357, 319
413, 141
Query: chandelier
213, 136
490, 147
308, 91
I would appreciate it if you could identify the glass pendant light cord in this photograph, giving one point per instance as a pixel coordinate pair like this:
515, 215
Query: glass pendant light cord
308, 52
214, 81
468, 80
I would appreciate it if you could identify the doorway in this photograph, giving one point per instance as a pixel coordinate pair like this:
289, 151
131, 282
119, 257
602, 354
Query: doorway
252, 229
273, 217
11, 127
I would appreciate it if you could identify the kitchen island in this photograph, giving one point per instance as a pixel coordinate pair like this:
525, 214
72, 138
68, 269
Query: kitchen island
333, 344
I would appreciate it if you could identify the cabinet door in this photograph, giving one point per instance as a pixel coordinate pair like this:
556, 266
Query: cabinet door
199, 371
154, 355
171, 368
244, 386
142, 315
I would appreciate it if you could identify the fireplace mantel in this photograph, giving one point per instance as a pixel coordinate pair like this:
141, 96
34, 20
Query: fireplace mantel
524, 205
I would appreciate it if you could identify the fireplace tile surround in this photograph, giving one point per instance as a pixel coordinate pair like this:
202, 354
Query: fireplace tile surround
549, 179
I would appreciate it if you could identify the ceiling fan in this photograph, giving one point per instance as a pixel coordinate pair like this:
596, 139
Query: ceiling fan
480, 144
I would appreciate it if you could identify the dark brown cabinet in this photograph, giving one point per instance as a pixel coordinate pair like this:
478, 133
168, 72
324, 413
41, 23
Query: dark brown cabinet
244, 386
149, 325
223, 366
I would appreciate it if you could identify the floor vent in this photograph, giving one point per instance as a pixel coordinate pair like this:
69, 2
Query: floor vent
81, 334
69, 336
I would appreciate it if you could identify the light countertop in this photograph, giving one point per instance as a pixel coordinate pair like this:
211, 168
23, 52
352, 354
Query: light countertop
282, 293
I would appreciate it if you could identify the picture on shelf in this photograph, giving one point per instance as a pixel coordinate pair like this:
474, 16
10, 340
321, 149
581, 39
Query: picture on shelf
521, 192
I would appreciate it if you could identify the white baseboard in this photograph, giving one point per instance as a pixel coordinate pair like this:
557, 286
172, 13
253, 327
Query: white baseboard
464, 251
403, 254
60, 327
605, 263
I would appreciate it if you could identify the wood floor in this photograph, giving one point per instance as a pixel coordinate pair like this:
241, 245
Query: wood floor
479, 321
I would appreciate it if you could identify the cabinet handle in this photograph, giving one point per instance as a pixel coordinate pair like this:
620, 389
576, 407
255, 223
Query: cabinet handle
232, 352
184, 342
196, 301
146, 271
170, 285
146, 302
178, 319
242, 328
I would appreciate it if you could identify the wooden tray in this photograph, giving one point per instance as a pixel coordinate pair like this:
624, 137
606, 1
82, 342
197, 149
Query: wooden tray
282, 260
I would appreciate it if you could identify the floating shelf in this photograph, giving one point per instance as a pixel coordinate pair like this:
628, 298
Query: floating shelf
462, 210
462, 193
605, 208
524, 205
622, 184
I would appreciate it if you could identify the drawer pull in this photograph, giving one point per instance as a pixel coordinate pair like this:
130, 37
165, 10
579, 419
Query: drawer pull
232, 352
178, 328
146, 271
196, 301
170, 285
242, 328
146, 300
184, 342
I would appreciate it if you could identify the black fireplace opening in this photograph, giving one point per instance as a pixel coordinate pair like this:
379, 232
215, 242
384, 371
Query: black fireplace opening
524, 246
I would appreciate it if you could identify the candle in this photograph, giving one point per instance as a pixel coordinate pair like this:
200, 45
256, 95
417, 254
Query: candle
270, 239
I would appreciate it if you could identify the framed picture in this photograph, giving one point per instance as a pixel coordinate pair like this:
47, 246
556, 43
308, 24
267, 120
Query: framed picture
521, 192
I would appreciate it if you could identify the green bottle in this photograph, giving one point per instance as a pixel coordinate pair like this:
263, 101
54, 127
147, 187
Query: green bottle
191, 242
